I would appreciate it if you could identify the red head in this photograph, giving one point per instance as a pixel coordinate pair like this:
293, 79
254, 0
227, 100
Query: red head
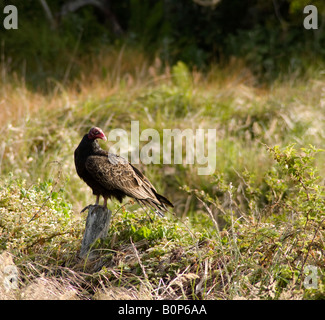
96, 133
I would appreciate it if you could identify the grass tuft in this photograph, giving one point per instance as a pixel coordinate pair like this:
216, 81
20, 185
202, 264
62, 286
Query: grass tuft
249, 231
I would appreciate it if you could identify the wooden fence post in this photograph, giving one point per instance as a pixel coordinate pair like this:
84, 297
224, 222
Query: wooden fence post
97, 224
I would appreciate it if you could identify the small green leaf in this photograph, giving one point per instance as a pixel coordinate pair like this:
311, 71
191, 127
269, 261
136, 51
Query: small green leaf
54, 195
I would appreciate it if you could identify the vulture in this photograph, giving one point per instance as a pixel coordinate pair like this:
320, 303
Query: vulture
112, 176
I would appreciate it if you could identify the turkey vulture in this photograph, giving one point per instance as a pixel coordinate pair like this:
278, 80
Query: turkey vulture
112, 176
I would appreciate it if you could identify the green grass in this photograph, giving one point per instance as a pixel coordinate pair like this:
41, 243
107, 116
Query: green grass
246, 232
249, 257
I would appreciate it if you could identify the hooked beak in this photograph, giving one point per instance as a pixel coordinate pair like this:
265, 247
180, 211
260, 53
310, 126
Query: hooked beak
103, 137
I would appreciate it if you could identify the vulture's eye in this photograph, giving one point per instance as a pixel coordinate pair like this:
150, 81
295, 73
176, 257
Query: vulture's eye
96, 132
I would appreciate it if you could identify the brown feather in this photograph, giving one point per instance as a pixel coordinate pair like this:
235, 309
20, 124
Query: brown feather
110, 175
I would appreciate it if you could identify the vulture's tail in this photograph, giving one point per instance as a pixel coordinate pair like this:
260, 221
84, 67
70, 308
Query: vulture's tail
158, 206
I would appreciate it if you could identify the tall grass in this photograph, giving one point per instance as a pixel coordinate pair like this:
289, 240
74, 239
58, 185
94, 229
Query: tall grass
230, 237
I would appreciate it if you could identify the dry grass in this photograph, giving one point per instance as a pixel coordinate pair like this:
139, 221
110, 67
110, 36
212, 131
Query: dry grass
166, 259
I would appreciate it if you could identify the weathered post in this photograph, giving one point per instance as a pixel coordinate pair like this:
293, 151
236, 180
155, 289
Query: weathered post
97, 224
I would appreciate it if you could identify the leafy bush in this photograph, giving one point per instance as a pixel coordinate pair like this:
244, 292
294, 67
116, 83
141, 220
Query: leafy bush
228, 250
269, 245
35, 217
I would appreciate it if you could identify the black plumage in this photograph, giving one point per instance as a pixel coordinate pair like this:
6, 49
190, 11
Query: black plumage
112, 176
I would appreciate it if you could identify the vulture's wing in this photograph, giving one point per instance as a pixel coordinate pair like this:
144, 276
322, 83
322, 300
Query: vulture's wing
114, 172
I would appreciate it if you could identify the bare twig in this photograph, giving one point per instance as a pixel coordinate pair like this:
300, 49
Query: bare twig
139, 260
74, 5
48, 13
142, 268
207, 3
211, 216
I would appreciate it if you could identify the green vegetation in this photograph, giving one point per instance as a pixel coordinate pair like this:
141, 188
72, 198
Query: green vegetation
260, 253
268, 36
249, 231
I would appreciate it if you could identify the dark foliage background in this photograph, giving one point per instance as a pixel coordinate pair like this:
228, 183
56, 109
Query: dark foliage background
267, 35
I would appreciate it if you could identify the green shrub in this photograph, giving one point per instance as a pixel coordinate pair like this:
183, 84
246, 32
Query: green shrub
35, 217
273, 241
